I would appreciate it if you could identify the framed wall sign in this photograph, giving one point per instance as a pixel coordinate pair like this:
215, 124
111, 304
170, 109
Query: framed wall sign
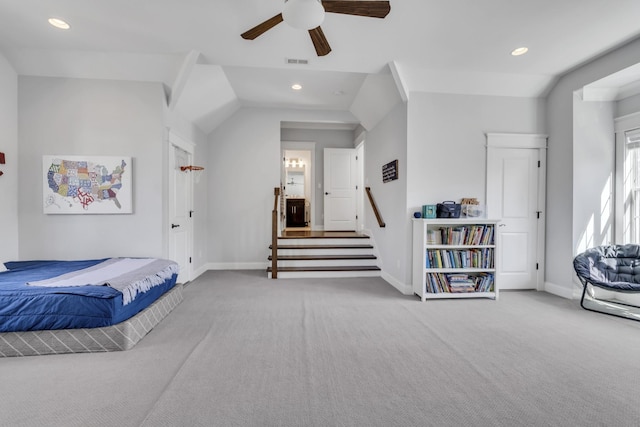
390, 171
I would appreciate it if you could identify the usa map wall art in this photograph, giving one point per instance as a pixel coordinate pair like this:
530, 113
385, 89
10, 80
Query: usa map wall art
87, 185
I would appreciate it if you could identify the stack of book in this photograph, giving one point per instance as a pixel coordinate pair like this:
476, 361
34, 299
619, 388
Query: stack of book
461, 283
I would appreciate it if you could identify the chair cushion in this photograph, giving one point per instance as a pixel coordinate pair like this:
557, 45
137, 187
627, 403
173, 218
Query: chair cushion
615, 267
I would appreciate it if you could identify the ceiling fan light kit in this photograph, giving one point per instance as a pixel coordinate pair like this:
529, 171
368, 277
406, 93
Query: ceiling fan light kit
309, 14
303, 14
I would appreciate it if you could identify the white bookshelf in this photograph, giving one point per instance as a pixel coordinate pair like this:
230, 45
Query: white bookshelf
454, 258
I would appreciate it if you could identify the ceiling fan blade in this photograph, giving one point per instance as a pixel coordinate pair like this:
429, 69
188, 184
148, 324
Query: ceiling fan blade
319, 41
260, 29
372, 9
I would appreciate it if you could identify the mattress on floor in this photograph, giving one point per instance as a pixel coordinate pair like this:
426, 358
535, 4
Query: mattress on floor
122, 336
31, 308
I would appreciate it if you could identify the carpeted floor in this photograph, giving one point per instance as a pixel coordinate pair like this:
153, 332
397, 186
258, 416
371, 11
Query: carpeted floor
242, 350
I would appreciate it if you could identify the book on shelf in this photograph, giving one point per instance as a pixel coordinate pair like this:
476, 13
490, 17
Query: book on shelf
459, 283
479, 234
460, 258
433, 238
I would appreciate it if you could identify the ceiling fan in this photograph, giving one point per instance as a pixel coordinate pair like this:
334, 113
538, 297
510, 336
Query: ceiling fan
309, 14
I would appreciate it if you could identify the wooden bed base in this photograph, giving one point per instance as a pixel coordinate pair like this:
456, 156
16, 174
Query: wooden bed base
122, 336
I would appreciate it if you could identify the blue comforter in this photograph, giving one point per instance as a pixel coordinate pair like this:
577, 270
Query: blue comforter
27, 308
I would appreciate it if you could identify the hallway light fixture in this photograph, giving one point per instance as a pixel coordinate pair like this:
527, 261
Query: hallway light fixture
294, 163
303, 14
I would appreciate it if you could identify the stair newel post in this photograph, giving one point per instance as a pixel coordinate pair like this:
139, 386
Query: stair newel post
274, 234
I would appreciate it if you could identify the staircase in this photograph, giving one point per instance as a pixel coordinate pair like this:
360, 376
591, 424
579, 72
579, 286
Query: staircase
325, 254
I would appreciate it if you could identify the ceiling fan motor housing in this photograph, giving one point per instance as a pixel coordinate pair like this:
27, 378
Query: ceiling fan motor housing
303, 14
309, 14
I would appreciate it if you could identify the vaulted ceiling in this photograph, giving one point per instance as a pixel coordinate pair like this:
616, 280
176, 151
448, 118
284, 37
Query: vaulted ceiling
194, 47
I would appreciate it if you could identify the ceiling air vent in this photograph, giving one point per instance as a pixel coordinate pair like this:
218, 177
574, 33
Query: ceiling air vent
297, 61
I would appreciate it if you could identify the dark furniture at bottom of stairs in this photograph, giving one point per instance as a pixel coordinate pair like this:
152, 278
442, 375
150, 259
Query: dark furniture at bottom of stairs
295, 213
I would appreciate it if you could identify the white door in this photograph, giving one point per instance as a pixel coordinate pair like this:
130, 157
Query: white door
340, 189
513, 181
180, 210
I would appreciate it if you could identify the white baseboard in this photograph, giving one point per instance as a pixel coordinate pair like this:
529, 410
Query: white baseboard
562, 291
402, 287
199, 272
237, 266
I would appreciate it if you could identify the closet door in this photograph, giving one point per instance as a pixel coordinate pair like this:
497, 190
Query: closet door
515, 196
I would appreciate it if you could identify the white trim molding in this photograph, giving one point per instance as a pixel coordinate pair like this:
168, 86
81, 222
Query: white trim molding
562, 291
628, 122
238, 266
199, 272
181, 142
405, 289
516, 140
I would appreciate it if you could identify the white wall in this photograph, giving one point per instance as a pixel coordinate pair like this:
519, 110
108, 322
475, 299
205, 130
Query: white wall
178, 124
447, 142
91, 117
8, 146
384, 143
561, 242
201, 210
324, 138
628, 105
593, 173
377, 96
244, 168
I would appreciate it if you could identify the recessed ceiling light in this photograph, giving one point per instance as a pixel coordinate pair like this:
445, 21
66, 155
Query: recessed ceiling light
296, 86
519, 51
59, 23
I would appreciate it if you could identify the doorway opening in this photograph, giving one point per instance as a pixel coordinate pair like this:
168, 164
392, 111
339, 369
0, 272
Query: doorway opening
298, 183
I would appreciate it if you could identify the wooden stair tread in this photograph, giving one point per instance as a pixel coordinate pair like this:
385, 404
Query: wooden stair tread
336, 268
355, 247
320, 257
323, 246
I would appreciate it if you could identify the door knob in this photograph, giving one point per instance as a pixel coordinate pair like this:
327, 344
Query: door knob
326, 194
175, 226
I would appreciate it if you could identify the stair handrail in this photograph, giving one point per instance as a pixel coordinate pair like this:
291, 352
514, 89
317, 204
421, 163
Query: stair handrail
274, 234
375, 208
